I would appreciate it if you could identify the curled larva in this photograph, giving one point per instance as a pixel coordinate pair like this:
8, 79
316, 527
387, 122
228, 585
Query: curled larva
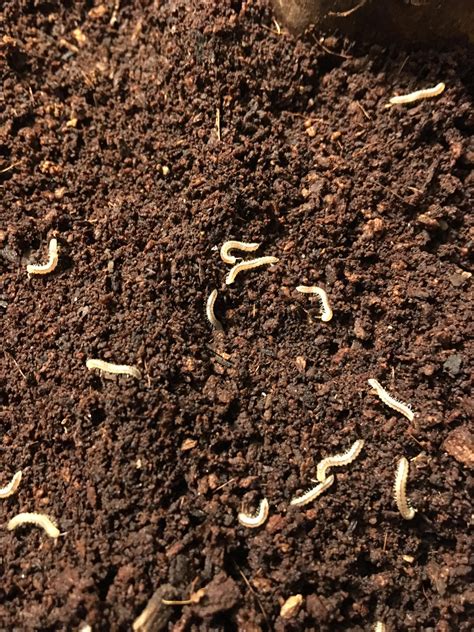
235, 245
428, 93
108, 367
40, 520
390, 401
339, 460
257, 519
12, 486
51, 263
400, 489
313, 493
249, 265
210, 311
323, 297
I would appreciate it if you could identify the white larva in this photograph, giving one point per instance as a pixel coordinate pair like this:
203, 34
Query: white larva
50, 265
313, 493
390, 401
40, 520
249, 265
12, 486
400, 489
235, 245
323, 297
339, 460
108, 367
428, 93
256, 520
210, 311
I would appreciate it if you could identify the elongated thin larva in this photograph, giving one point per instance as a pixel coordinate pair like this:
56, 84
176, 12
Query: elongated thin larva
119, 369
257, 519
323, 297
249, 265
210, 311
390, 401
52, 262
400, 488
235, 245
417, 95
40, 520
12, 486
313, 493
339, 460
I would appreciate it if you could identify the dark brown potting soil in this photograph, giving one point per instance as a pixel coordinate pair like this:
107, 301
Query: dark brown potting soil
109, 141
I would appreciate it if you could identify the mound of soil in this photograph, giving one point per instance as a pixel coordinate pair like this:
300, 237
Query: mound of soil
143, 135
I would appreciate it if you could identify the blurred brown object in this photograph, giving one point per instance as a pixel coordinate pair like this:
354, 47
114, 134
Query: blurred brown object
423, 21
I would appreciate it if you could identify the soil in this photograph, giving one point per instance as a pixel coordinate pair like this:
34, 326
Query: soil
108, 141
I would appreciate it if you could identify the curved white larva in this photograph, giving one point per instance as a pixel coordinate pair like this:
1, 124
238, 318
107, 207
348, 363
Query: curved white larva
236, 245
249, 265
12, 486
339, 460
313, 493
51, 263
257, 519
323, 297
390, 401
380, 626
210, 311
428, 93
40, 520
108, 367
400, 489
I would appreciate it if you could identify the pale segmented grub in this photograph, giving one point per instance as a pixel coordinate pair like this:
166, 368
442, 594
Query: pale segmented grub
380, 626
210, 311
313, 493
236, 245
428, 93
339, 460
12, 486
390, 401
249, 265
257, 519
52, 262
119, 369
400, 488
40, 520
323, 297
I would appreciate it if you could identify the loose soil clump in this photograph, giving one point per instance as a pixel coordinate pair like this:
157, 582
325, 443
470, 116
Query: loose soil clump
142, 136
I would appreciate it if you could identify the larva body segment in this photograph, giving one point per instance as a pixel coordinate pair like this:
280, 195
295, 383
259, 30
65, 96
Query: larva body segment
210, 311
428, 93
40, 520
257, 519
50, 265
390, 401
118, 369
400, 487
235, 245
313, 493
339, 460
380, 627
249, 265
12, 486
326, 314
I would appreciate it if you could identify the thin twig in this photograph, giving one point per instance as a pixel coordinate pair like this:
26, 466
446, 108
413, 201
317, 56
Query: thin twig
344, 14
331, 52
253, 593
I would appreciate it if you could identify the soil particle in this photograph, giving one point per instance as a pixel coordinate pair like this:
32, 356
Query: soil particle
109, 142
460, 444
